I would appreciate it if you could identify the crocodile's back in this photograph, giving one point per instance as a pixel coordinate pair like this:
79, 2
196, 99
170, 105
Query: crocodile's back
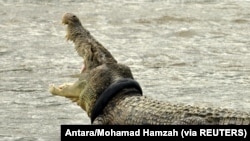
143, 110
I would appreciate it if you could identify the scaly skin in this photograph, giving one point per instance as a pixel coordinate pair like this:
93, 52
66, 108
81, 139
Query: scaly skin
128, 106
136, 110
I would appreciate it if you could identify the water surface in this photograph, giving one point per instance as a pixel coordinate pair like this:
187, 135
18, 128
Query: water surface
190, 52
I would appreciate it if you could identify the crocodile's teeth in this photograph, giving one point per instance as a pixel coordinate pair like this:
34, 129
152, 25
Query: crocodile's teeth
83, 67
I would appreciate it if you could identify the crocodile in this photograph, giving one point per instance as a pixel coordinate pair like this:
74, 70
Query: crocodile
107, 91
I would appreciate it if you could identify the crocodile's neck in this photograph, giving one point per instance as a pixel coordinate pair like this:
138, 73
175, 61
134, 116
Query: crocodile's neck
114, 113
110, 92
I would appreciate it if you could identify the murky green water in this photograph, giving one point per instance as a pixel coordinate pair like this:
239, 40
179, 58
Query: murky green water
195, 52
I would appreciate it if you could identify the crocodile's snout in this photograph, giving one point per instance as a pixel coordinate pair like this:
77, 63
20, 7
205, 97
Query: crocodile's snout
68, 18
65, 18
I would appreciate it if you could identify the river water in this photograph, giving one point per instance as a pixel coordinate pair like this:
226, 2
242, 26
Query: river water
194, 52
